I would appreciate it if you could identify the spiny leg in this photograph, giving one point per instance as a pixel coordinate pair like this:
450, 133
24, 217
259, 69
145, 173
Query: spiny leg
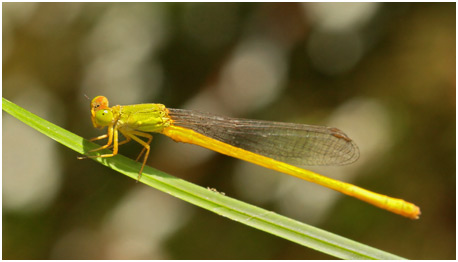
150, 138
133, 134
120, 143
98, 138
111, 131
127, 140
106, 135
112, 138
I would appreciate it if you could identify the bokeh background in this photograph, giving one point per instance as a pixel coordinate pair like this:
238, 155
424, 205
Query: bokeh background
383, 73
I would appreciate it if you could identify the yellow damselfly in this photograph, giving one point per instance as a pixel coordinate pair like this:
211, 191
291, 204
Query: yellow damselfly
275, 145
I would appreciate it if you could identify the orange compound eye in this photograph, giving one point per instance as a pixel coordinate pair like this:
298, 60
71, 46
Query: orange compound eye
99, 102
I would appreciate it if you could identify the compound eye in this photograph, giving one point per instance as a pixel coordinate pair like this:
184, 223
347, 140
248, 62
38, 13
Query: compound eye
99, 102
104, 117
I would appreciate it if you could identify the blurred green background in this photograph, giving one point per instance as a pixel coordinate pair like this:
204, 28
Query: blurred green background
383, 73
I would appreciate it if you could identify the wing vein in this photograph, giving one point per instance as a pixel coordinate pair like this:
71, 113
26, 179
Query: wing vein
296, 144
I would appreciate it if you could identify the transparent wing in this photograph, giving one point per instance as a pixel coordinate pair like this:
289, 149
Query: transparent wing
295, 144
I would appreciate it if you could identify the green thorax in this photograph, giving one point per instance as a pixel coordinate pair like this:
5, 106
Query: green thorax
142, 117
